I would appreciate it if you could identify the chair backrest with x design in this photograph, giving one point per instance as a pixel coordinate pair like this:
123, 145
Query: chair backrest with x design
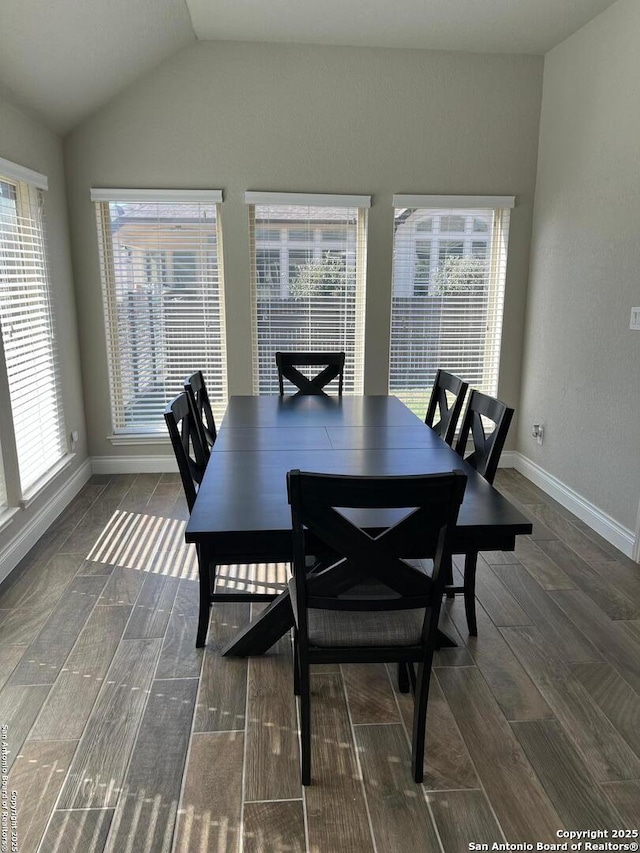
486, 448
185, 440
288, 363
442, 408
429, 505
196, 391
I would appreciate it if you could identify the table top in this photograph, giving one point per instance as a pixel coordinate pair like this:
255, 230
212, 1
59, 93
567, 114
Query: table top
242, 512
316, 411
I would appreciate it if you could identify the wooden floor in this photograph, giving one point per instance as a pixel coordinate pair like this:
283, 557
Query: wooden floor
124, 737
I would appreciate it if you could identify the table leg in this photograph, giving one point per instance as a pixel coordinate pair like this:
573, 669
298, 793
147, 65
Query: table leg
258, 637
444, 641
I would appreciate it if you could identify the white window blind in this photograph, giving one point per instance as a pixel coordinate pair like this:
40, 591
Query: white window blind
449, 267
162, 283
27, 325
308, 280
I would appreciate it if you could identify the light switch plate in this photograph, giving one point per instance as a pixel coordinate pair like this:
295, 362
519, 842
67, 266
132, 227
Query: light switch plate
635, 319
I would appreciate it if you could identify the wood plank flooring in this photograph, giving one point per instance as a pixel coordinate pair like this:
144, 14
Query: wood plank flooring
122, 736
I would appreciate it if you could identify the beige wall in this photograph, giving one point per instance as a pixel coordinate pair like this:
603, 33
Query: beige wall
25, 141
582, 365
319, 119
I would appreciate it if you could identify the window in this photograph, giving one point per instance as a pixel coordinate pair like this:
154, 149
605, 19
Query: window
28, 329
308, 280
164, 313
449, 266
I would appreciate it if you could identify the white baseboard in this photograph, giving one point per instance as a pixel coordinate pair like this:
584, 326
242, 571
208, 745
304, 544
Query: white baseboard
605, 525
19, 546
134, 464
508, 459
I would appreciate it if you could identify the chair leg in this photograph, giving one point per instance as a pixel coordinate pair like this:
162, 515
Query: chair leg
296, 665
305, 722
412, 677
205, 596
420, 720
470, 562
404, 685
212, 577
447, 568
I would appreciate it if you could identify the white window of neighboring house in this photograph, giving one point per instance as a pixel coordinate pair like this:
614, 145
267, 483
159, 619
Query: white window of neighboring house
308, 269
161, 266
449, 270
31, 376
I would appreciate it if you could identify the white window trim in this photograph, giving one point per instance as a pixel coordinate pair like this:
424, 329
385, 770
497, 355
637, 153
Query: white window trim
21, 173
308, 199
7, 514
209, 196
122, 439
40, 485
455, 202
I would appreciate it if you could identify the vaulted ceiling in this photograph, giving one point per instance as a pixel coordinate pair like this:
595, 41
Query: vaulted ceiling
480, 26
63, 59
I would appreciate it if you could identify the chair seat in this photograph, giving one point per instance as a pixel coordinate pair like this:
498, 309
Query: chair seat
362, 628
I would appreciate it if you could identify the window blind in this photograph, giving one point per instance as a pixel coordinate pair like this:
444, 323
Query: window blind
161, 268
308, 272
28, 330
449, 268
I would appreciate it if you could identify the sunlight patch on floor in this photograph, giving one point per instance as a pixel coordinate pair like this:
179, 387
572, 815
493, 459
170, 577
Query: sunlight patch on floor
147, 543
150, 543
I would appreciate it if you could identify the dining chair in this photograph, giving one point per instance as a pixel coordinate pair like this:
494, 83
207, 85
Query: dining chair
196, 391
446, 410
181, 422
484, 457
288, 363
187, 446
383, 609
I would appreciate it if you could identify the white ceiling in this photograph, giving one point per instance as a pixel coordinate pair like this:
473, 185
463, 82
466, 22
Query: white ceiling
481, 26
63, 59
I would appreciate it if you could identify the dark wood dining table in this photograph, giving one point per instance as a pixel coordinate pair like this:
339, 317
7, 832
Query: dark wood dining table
241, 514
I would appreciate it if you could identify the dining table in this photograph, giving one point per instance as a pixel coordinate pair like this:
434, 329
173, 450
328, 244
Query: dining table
241, 514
